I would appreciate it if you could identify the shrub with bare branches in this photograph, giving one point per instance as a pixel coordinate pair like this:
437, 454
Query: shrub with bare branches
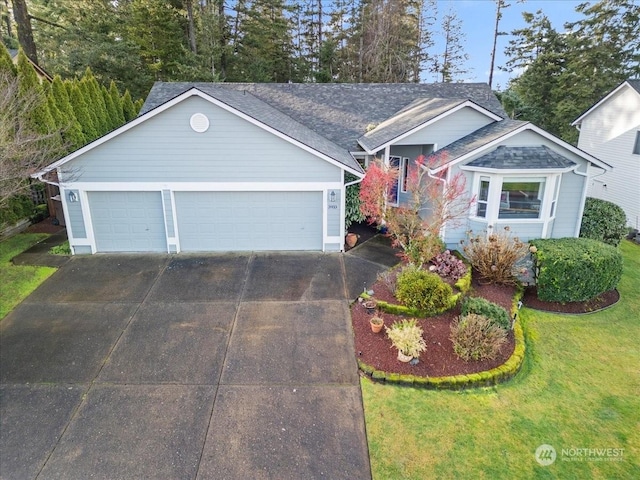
495, 255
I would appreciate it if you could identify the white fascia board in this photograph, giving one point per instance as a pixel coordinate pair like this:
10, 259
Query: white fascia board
165, 106
204, 186
462, 105
519, 171
578, 120
528, 126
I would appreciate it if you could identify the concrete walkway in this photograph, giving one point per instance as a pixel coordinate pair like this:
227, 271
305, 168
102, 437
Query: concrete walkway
217, 366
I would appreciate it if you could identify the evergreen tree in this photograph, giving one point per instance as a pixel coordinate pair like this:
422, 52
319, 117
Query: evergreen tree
128, 108
40, 119
81, 111
71, 129
117, 103
111, 109
96, 103
137, 106
6, 64
450, 64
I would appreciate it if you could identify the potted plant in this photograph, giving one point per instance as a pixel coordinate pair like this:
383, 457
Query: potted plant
352, 239
406, 336
370, 305
376, 324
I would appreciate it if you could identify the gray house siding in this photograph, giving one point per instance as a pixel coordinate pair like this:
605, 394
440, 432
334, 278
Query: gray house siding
448, 129
569, 201
165, 148
76, 220
333, 213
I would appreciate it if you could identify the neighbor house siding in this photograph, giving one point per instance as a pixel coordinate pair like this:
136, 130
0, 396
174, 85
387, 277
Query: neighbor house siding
165, 148
448, 129
609, 133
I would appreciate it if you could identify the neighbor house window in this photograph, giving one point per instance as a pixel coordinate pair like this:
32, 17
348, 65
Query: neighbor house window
636, 147
483, 197
520, 198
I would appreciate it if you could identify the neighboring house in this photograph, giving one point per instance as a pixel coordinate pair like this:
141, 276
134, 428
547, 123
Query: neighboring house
610, 130
223, 167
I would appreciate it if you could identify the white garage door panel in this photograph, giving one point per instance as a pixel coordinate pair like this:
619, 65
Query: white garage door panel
228, 221
128, 221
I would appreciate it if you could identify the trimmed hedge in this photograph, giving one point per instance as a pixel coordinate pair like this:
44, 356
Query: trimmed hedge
575, 269
604, 221
422, 290
482, 306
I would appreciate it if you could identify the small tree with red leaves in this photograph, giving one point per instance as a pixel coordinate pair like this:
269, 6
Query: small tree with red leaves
434, 201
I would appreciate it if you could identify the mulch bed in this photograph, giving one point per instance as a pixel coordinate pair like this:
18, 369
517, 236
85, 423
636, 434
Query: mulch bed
45, 226
439, 360
607, 299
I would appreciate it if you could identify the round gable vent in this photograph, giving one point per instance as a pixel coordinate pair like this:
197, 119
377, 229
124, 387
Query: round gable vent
199, 122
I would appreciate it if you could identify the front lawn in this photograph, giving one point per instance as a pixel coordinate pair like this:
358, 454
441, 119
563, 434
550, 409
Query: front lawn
579, 389
19, 281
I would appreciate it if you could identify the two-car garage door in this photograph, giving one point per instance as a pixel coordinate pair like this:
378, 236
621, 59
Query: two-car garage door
208, 221
234, 221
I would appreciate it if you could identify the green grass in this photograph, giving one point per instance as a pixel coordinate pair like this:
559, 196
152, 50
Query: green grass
62, 249
19, 281
579, 388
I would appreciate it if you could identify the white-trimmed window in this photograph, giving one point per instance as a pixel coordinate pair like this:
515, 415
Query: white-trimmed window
510, 197
483, 197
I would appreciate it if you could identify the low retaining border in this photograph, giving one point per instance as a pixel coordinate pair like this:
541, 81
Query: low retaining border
496, 375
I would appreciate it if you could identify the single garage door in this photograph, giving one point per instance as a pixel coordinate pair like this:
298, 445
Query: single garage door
234, 221
128, 221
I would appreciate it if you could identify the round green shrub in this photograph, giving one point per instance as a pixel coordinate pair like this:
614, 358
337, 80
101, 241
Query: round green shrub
604, 221
484, 307
575, 269
476, 337
423, 290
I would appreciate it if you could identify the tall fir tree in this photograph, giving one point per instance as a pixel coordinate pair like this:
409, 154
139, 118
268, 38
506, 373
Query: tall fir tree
81, 111
450, 64
71, 129
40, 119
128, 108
111, 109
116, 99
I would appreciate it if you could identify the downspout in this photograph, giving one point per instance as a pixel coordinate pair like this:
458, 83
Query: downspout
344, 208
444, 182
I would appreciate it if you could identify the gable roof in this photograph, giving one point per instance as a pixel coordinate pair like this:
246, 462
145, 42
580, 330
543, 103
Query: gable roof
416, 115
634, 84
492, 134
522, 158
340, 112
247, 107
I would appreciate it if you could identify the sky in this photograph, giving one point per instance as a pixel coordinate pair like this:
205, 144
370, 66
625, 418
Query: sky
478, 22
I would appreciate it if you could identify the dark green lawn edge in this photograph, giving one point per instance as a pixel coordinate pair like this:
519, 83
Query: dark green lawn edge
495, 376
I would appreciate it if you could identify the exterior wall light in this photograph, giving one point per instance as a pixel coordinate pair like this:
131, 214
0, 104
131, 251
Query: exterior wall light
73, 197
332, 196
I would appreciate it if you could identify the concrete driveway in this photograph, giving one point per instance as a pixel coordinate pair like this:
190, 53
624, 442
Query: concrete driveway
184, 367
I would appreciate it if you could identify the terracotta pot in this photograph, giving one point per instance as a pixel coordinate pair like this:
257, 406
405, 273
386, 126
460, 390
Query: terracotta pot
404, 358
376, 327
351, 240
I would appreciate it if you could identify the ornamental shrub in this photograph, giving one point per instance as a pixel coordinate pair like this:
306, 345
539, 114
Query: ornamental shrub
495, 255
406, 336
484, 307
476, 337
448, 265
604, 221
423, 290
575, 269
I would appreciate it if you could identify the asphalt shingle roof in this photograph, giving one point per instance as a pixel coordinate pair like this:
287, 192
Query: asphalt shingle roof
340, 112
473, 141
505, 157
